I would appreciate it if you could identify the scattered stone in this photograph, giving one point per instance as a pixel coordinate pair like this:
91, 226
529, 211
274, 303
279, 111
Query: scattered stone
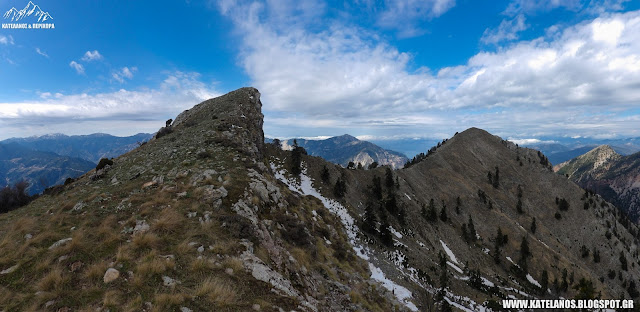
229, 271
149, 184
62, 258
185, 309
201, 249
73, 228
10, 270
212, 195
192, 244
168, 281
49, 303
28, 236
114, 180
158, 179
182, 195
60, 243
78, 206
192, 214
255, 307
110, 275
141, 227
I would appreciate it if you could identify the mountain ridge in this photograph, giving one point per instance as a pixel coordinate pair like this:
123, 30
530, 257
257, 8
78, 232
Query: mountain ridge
209, 217
347, 148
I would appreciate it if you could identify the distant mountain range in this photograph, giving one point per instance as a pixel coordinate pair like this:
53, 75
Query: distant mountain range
30, 10
615, 177
48, 160
346, 148
563, 149
40, 169
90, 147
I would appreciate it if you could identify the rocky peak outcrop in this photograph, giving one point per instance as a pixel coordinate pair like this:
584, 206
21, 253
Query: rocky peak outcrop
238, 114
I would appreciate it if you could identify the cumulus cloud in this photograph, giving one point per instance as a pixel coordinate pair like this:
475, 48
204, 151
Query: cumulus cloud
78, 67
405, 15
581, 79
6, 40
507, 30
124, 72
112, 111
92, 56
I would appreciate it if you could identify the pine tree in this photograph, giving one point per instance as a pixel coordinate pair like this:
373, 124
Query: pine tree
369, 220
496, 178
325, 175
519, 206
533, 225
623, 261
544, 281
432, 216
472, 230
296, 158
458, 204
376, 188
388, 179
443, 212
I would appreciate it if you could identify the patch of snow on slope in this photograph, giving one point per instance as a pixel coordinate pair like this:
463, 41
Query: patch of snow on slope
305, 187
455, 267
449, 252
396, 233
532, 280
400, 292
405, 194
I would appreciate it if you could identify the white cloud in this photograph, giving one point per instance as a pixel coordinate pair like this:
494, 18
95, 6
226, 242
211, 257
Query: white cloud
92, 56
533, 6
78, 67
123, 111
526, 142
6, 40
344, 77
405, 15
124, 72
42, 53
507, 30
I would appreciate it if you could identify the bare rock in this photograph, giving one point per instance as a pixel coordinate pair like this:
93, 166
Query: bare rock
111, 275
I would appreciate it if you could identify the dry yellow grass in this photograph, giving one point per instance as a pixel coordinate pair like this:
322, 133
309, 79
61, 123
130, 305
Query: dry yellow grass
170, 221
54, 281
201, 265
167, 302
146, 240
216, 291
233, 263
95, 271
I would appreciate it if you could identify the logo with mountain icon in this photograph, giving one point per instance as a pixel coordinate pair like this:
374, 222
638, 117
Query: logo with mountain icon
32, 10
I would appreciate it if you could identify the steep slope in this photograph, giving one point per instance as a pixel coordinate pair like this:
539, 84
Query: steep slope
40, 169
345, 148
191, 221
90, 147
614, 177
435, 257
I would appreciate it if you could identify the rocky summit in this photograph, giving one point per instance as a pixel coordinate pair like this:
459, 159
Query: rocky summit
205, 216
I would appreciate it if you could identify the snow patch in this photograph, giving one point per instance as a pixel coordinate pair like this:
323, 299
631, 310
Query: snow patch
396, 233
532, 280
405, 194
400, 292
455, 267
449, 253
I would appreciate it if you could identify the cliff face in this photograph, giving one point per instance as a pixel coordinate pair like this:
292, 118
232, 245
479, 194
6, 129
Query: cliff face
208, 217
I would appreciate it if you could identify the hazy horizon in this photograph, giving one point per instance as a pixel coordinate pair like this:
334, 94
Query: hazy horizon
379, 70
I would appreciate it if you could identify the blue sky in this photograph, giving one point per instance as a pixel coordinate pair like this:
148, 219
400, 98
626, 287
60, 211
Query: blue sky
379, 70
